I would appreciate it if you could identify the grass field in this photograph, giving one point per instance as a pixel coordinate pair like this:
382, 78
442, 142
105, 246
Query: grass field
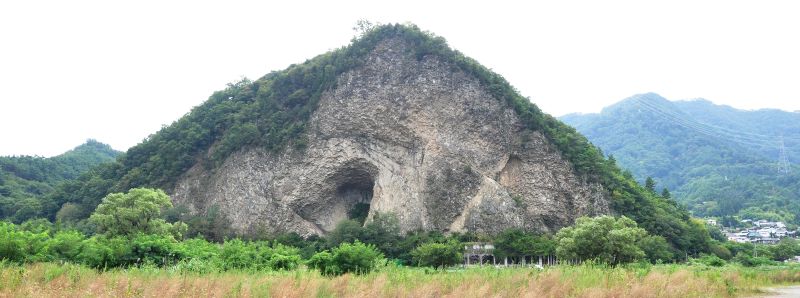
67, 280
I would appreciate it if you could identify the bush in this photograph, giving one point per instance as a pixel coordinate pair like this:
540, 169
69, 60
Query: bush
199, 248
237, 254
22, 246
197, 266
323, 261
283, 257
710, 260
356, 257
65, 245
750, 261
102, 252
155, 249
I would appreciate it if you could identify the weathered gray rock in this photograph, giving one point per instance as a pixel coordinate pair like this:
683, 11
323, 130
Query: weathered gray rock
420, 139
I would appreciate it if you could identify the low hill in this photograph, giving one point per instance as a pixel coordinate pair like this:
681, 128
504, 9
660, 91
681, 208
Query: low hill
24, 180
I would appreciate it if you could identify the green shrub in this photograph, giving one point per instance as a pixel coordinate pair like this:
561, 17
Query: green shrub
155, 249
237, 254
11, 244
750, 261
710, 260
102, 252
199, 248
197, 266
65, 245
284, 257
323, 261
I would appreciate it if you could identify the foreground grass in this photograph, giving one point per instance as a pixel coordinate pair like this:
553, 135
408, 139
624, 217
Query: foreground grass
49, 280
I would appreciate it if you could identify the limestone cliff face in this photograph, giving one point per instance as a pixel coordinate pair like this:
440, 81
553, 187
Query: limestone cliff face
417, 138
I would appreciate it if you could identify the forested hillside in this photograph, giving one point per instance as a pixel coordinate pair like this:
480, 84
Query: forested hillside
717, 159
24, 180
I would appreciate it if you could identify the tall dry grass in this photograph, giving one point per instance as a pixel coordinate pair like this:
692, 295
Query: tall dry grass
54, 280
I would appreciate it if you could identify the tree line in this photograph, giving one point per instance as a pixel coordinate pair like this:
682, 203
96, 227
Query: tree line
131, 230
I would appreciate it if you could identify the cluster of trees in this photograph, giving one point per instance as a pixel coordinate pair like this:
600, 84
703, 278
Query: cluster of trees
26, 180
130, 231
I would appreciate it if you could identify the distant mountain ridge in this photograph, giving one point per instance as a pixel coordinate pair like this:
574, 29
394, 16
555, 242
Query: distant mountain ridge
717, 159
24, 179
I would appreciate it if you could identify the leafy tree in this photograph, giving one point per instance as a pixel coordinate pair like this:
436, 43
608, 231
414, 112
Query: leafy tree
665, 194
656, 249
414, 239
356, 257
650, 185
786, 249
383, 231
138, 211
720, 251
514, 243
605, 238
345, 231
438, 255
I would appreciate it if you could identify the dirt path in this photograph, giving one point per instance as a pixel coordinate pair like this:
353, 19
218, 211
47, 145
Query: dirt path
782, 292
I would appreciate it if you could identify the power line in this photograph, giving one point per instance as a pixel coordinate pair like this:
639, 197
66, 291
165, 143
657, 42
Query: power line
714, 132
784, 161
707, 130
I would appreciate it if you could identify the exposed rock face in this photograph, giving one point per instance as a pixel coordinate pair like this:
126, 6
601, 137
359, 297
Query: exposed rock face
420, 139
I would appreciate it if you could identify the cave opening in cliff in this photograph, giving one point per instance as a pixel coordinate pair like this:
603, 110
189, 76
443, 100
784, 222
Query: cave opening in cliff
355, 191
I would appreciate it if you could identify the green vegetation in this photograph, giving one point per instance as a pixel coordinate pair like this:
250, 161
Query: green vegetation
590, 280
130, 231
717, 160
25, 180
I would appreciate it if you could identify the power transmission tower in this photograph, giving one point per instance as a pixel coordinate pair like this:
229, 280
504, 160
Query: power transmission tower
783, 166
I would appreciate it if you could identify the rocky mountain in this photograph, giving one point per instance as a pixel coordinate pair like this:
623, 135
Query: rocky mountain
413, 137
717, 159
396, 122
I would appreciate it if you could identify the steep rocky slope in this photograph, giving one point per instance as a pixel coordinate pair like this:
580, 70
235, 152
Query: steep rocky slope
417, 138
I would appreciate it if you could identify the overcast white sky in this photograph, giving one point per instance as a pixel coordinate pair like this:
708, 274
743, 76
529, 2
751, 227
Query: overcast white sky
117, 71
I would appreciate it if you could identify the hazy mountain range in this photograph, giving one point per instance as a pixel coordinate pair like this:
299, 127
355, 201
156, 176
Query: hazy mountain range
717, 159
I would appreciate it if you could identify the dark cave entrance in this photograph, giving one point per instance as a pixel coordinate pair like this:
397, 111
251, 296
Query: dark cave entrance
355, 190
360, 196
